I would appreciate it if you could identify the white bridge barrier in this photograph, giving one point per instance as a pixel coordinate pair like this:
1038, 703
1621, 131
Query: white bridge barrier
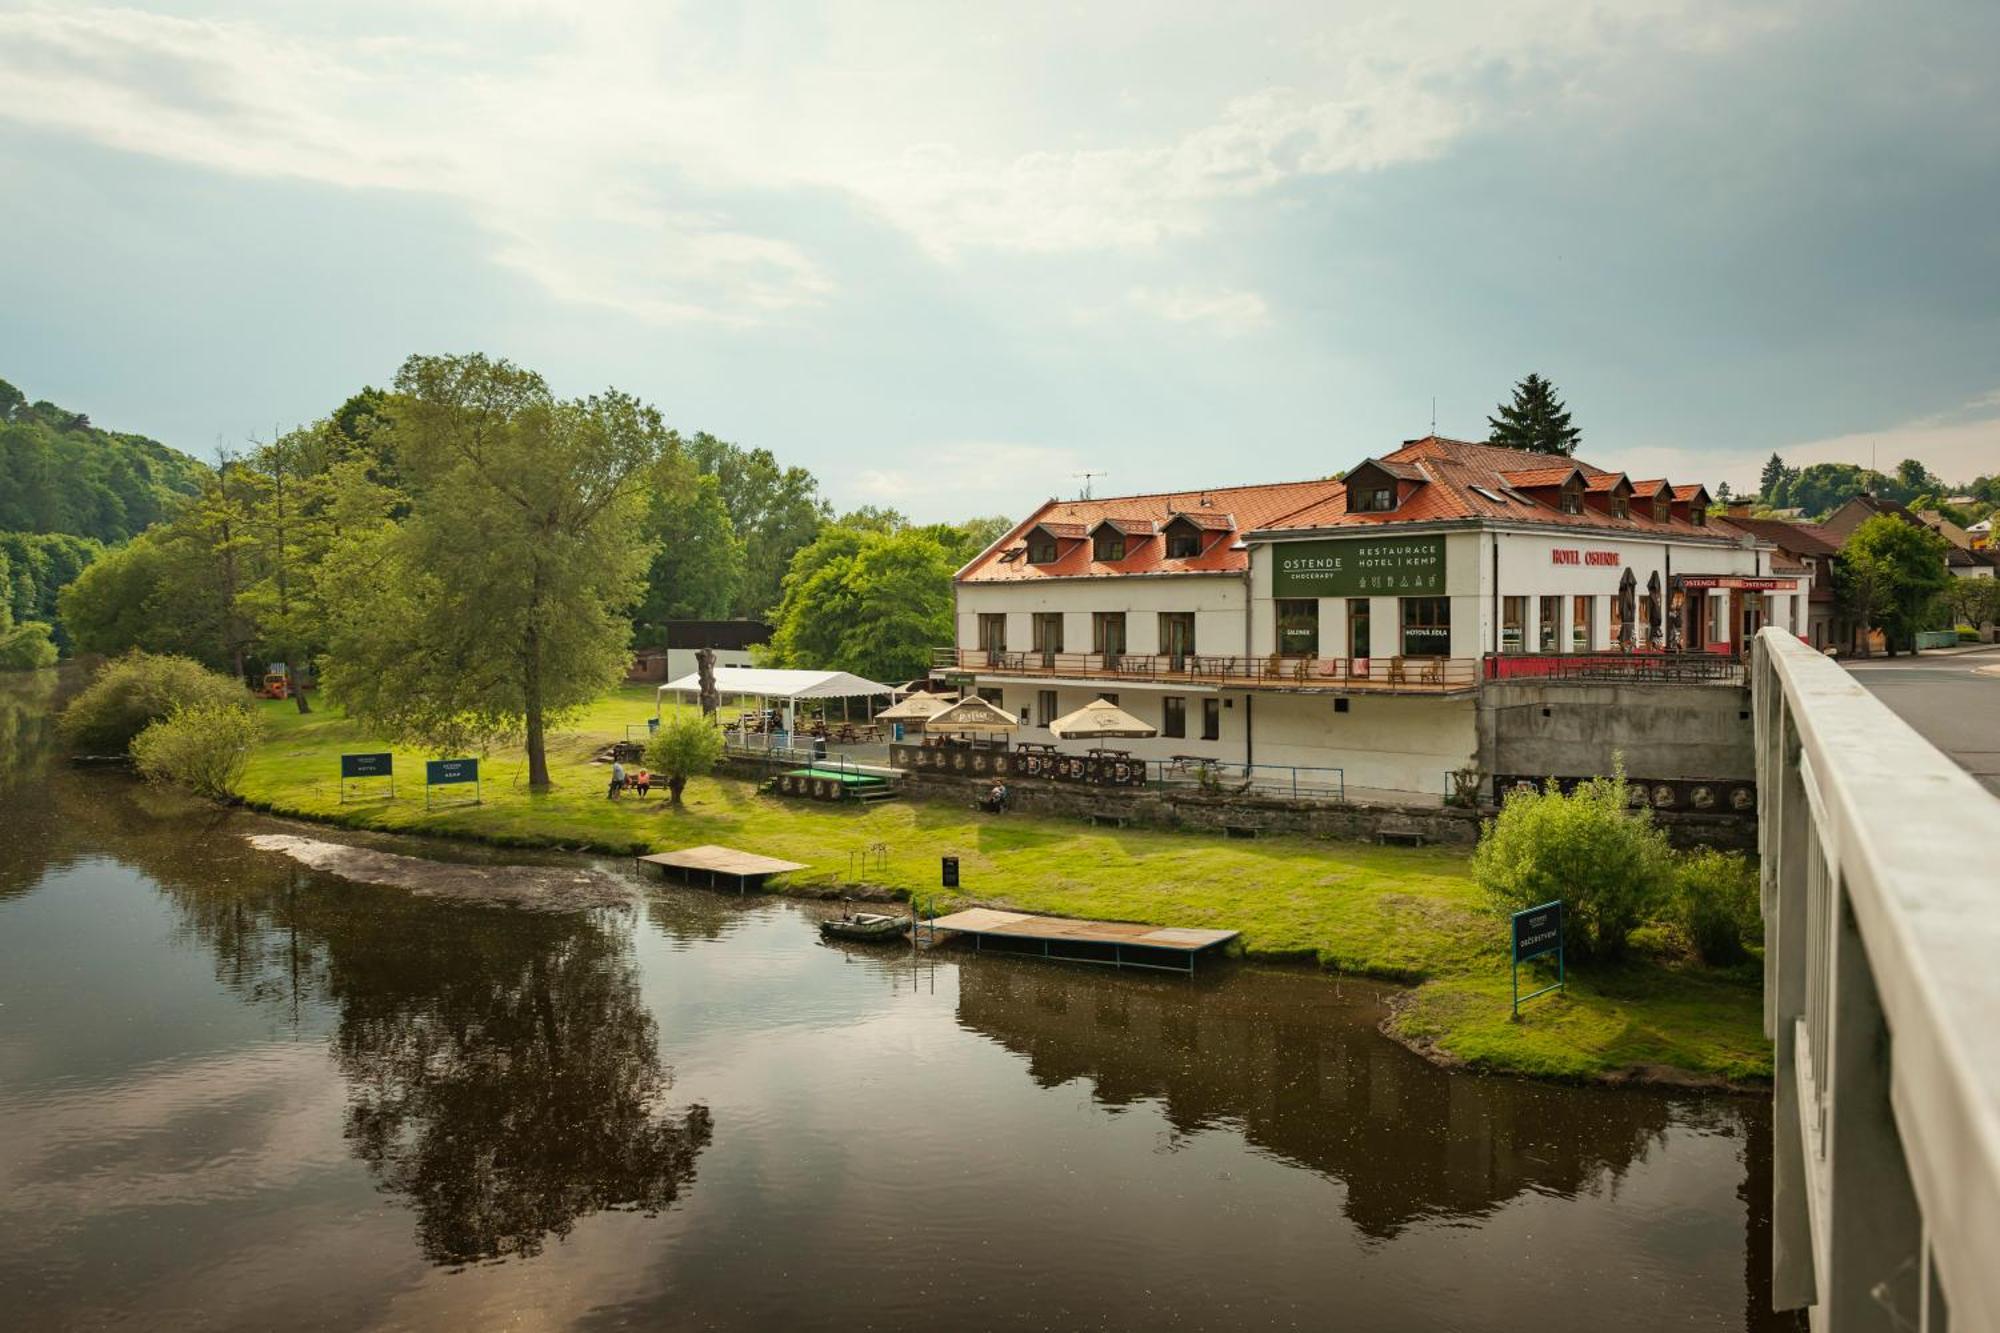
1881, 900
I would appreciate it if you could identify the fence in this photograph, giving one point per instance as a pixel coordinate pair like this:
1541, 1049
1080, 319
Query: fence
1397, 675
1880, 998
1652, 668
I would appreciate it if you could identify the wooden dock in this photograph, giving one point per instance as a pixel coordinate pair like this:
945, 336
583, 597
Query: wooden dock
724, 862
1117, 943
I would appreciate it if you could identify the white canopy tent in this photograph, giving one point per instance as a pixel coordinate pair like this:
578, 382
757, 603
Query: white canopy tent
767, 683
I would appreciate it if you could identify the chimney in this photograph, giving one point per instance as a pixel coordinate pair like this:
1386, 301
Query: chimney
1738, 509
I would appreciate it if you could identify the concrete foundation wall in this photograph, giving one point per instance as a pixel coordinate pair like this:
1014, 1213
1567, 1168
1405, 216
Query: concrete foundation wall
1575, 728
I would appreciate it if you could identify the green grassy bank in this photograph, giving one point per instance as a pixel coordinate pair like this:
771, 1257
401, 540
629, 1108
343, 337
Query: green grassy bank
1410, 915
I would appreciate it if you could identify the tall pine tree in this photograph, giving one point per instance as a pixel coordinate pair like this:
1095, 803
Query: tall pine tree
1536, 421
1767, 481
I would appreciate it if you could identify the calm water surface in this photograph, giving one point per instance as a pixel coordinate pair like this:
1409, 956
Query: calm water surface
235, 1093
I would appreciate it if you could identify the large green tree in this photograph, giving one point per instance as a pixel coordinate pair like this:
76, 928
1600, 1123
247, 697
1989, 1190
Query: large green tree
697, 571
1890, 575
873, 603
1535, 421
776, 511
59, 473
498, 605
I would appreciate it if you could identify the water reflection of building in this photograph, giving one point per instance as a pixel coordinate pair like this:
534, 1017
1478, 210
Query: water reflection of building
1294, 1061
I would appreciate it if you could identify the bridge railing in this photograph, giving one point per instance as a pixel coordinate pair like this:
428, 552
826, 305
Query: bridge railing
1881, 904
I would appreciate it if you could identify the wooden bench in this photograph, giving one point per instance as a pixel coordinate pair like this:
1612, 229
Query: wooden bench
1242, 830
1400, 837
1118, 817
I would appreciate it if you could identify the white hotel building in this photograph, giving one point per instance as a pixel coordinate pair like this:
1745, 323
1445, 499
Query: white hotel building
1354, 624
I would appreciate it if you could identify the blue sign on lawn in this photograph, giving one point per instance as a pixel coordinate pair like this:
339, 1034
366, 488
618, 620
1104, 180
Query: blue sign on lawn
439, 772
1538, 931
367, 765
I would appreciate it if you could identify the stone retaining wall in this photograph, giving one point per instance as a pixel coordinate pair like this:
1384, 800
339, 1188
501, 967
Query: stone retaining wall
1190, 809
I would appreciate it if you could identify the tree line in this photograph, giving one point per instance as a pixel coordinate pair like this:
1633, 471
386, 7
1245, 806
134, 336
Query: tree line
466, 557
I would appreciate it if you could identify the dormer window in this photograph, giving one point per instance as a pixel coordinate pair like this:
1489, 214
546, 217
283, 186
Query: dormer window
1108, 545
1621, 507
1183, 543
1041, 548
1572, 497
1374, 500
1662, 509
1699, 513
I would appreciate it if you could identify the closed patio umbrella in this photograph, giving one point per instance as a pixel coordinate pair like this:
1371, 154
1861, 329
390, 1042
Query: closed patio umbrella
973, 716
1100, 719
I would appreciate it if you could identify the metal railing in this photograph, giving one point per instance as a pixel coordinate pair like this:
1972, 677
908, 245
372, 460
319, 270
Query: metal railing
1642, 666
1881, 904
1282, 780
1387, 675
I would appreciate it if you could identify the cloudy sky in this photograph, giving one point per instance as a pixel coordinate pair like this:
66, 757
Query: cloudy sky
949, 256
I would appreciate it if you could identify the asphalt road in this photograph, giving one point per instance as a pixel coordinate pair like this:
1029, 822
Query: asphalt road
1953, 700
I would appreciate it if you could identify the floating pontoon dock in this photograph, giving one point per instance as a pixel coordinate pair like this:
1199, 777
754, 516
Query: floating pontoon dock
727, 862
1118, 943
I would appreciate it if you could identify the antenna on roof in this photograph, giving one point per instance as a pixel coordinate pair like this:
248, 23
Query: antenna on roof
1434, 416
1086, 481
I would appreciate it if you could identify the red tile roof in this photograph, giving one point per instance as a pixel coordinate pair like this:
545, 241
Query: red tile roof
1796, 538
1450, 477
1453, 468
1607, 481
1219, 513
1131, 527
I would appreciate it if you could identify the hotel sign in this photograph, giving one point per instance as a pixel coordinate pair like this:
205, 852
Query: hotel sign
1742, 582
1351, 566
1572, 556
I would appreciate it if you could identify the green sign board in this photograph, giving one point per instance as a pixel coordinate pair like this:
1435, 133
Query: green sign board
1359, 567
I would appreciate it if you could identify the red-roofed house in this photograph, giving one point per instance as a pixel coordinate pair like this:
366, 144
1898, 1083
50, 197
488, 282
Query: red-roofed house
1228, 617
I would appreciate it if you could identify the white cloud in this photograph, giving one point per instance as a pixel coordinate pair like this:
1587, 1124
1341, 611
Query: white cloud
1957, 444
966, 477
616, 151
1222, 311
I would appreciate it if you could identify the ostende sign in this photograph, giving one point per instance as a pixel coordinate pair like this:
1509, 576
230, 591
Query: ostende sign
1349, 566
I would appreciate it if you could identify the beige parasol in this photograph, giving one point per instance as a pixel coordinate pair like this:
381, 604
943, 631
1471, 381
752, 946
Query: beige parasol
1102, 718
972, 716
921, 707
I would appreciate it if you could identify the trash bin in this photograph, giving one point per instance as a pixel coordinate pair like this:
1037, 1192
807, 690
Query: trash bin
899, 733
652, 725
819, 747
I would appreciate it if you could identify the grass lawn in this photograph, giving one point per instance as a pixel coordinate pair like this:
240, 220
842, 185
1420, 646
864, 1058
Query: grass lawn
1409, 914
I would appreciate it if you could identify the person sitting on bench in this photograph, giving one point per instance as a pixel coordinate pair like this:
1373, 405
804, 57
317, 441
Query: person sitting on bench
996, 799
642, 782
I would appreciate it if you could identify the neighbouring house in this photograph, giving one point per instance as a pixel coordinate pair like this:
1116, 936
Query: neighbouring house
1355, 624
1802, 546
674, 656
1945, 528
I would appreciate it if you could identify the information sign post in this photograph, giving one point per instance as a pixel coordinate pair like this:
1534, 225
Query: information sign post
1537, 931
356, 766
447, 772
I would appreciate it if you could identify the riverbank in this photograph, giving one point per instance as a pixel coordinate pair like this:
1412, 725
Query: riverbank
1406, 914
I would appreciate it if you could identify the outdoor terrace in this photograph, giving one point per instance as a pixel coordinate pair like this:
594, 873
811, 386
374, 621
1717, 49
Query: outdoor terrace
1378, 675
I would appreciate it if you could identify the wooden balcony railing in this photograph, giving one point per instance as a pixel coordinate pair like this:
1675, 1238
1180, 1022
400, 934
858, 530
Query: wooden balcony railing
1388, 675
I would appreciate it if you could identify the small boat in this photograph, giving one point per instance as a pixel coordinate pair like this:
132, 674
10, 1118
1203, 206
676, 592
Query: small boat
864, 926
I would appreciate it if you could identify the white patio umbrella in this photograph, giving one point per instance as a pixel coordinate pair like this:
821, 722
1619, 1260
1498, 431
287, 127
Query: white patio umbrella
973, 716
1100, 719
917, 708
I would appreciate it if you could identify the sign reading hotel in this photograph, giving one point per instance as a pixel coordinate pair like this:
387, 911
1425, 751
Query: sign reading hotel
1354, 566
1572, 556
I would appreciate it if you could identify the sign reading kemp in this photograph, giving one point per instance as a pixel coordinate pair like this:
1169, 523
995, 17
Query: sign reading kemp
1348, 566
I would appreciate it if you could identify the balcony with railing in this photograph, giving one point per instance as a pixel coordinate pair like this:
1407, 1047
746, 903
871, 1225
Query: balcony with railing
1381, 675
1881, 872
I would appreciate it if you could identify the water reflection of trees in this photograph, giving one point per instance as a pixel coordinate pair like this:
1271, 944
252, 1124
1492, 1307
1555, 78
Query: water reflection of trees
503, 1075
1305, 1076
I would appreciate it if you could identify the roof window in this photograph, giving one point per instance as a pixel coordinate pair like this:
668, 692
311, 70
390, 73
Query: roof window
1496, 499
1041, 548
1572, 497
1372, 500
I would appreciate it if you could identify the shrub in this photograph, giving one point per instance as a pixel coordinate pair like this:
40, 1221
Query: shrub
137, 689
688, 745
27, 647
204, 747
1715, 905
1606, 861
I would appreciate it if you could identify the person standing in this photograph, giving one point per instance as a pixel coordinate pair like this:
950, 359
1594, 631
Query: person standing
617, 779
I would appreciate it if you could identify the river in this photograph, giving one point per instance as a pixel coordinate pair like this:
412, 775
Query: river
236, 1092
